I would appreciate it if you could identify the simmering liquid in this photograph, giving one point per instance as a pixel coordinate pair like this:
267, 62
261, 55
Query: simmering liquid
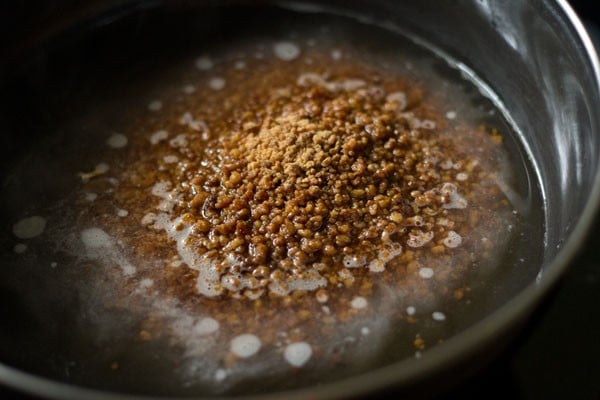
309, 200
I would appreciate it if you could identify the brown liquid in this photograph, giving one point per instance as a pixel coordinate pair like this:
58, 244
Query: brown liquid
284, 203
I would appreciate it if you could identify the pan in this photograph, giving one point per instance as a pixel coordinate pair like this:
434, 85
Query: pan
529, 69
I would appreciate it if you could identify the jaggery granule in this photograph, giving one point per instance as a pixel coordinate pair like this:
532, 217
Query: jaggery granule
312, 183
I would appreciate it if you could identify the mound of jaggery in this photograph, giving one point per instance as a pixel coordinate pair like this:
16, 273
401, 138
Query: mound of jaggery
304, 183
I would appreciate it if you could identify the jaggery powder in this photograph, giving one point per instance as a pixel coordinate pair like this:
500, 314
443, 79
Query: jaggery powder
321, 177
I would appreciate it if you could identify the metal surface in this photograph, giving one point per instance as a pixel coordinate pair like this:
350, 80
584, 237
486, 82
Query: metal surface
540, 62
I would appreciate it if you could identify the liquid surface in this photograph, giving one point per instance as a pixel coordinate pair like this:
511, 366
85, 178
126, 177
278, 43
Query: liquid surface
279, 204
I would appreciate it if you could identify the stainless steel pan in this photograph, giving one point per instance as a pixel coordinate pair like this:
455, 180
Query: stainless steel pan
534, 55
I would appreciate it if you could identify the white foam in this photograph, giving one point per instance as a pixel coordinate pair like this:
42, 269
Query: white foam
158, 136
217, 83
208, 281
95, 238
101, 168
91, 196
410, 310
351, 84
345, 275
204, 63
101, 246
453, 240
310, 78
220, 375
359, 303
456, 200
117, 141
384, 256
170, 159
188, 89
451, 114
427, 124
297, 354
20, 248
399, 98
438, 316
336, 54
29, 227
195, 124
311, 281
245, 345
206, 326
148, 219
146, 283
155, 105
418, 238
286, 51
179, 141
122, 213
322, 296
426, 273
355, 261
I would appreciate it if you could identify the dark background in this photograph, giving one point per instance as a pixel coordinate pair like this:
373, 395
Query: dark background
557, 353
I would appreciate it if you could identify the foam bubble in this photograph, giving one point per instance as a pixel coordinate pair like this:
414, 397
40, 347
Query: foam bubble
155, 105
438, 316
453, 240
359, 302
418, 238
355, 261
208, 280
101, 246
216, 83
204, 63
146, 283
195, 124
29, 227
297, 354
170, 159
101, 168
179, 141
310, 78
158, 136
220, 374
206, 326
117, 141
426, 273
245, 345
455, 199
189, 89
310, 282
20, 248
286, 51
399, 98
95, 238
91, 196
